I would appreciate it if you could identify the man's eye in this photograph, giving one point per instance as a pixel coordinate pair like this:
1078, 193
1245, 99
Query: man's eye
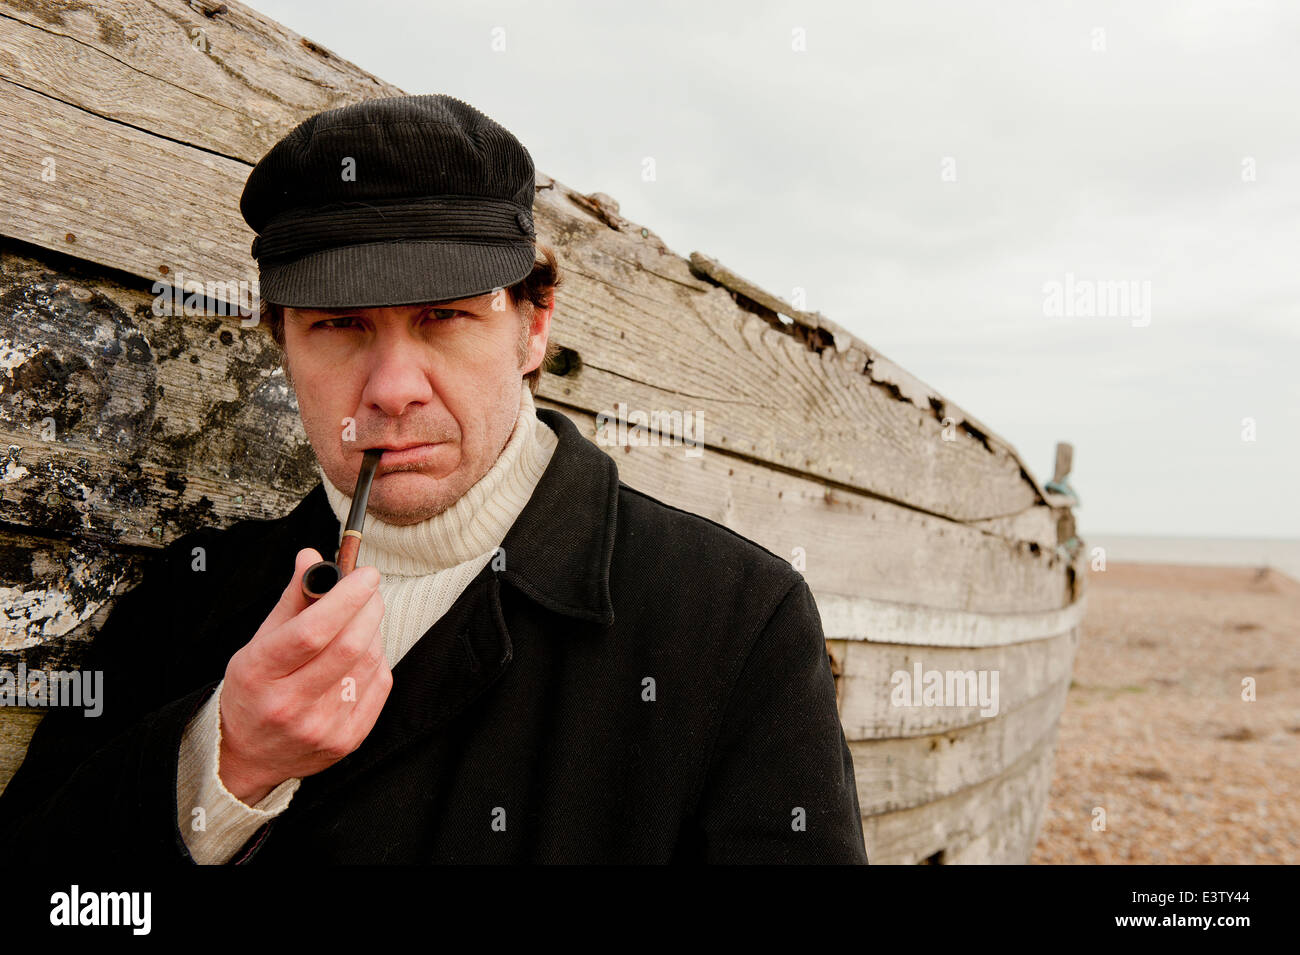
441, 314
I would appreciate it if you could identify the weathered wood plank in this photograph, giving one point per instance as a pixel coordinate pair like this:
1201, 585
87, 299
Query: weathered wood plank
843, 542
232, 84
835, 652
831, 335
120, 197
945, 827
1039, 525
894, 774
17, 724
863, 618
1025, 671
1009, 839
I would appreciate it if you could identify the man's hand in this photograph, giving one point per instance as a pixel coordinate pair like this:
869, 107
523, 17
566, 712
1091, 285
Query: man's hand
288, 708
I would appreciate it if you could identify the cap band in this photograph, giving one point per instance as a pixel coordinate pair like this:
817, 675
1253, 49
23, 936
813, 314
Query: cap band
476, 219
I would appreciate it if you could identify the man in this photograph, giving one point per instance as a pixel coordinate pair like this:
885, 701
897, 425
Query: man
532, 661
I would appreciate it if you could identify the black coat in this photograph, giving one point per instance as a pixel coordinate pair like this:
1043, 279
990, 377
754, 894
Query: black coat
522, 727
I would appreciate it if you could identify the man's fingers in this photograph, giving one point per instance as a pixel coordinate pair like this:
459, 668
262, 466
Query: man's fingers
298, 640
363, 675
370, 702
346, 654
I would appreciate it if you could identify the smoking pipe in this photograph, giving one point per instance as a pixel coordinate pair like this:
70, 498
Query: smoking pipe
324, 574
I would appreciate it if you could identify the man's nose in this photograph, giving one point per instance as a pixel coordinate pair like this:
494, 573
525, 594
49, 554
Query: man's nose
397, 376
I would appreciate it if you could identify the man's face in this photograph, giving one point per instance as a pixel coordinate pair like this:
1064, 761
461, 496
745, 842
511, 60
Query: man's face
443, 381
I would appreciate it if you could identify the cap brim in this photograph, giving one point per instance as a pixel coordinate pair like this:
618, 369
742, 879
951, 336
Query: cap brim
381, 274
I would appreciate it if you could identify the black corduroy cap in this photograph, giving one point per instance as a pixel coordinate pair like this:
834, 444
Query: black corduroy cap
394, 201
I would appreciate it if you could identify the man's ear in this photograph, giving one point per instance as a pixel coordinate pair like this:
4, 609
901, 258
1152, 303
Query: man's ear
539, 334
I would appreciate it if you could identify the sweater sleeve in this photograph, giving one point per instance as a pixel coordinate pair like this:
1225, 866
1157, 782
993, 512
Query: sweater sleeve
780, 786
213, 821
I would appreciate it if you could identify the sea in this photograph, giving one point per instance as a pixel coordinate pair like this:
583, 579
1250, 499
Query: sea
1280, 553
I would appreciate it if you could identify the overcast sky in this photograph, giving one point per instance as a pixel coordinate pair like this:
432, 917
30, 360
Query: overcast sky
925, 171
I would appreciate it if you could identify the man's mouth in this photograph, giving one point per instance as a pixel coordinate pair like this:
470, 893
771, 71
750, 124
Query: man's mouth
407, 454
404, 446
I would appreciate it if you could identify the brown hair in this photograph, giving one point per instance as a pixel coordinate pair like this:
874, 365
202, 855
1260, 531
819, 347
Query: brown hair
535, 290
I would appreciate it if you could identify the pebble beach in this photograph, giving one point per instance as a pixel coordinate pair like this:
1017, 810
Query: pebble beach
1159, 758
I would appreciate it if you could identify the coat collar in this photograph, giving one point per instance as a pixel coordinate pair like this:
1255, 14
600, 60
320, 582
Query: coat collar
560, 548
558, 551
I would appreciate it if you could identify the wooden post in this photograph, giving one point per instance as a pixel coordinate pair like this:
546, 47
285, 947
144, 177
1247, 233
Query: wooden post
1064, 460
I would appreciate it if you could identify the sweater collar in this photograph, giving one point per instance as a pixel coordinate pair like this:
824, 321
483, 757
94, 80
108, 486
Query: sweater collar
560, 548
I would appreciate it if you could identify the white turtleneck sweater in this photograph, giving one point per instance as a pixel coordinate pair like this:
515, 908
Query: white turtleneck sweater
423, 568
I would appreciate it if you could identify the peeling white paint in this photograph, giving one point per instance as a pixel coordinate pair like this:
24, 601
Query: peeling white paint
12, 355
105, 334
33, 617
